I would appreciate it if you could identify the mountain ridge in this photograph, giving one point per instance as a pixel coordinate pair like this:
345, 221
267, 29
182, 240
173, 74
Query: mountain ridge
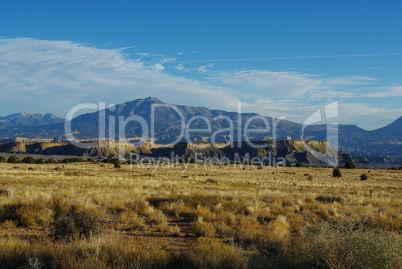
28, 119
385, 141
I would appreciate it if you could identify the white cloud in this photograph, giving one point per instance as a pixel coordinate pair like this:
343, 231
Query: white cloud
54, 76
203, 68
168, 60
158, 67
43, 76
367, 116
391, 92
268, 83
349, 81
179, 67
144, 54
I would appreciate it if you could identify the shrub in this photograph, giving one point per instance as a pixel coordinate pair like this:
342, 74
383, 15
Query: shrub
211, 180
350, 165
204, 213
52, 161
363, 177
299, 164
202, 228
25, 214
246, 236
28, 159
4, 192
135, 221
337, 172
2, 159
40, 161
13, 159
76, 222
211, 253
332, 246
158, 218
73, 160
329, 199
139, 205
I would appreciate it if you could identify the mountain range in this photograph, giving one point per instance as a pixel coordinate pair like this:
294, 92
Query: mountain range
28, 119
385, 141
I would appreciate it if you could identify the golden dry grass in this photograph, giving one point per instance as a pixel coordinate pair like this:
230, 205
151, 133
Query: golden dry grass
169, 207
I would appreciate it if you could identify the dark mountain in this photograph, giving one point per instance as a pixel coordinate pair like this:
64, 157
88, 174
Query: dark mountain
167, 127
28, 119
393, 129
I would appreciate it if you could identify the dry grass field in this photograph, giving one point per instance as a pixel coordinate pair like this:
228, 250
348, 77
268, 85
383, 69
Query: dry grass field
92, 215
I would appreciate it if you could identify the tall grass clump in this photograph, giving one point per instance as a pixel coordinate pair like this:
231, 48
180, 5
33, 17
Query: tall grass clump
72, 221
211, 253
332, 246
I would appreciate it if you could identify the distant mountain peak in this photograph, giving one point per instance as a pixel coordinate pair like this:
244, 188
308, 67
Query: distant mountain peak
151, 98
394, 128
28, 119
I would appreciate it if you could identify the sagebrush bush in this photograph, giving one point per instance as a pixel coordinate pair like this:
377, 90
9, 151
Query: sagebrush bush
201, 228
350, 165
175, 209
134, 221
29, 160
332, 246
337, 172
76, 222
329, 199
211, 253
158, 217
13, 159
4, 192
139, 205
26, 214
205, 213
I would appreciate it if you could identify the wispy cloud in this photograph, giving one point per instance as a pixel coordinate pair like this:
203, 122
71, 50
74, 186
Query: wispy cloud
168, 60
203, 68
53, 76
41, 75
293, 57
269, 83
391, 92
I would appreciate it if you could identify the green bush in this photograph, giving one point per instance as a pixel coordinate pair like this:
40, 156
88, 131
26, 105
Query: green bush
329, 199
52, 161
363, 177
73, 160
40, 161
337, 172
350, 165
2, 159
13, 159
299, 165
116, 163
29, 160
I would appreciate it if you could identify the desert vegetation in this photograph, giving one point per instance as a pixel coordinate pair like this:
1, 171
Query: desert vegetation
102, 215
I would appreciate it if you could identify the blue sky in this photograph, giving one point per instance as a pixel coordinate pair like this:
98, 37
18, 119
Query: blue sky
277, 57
